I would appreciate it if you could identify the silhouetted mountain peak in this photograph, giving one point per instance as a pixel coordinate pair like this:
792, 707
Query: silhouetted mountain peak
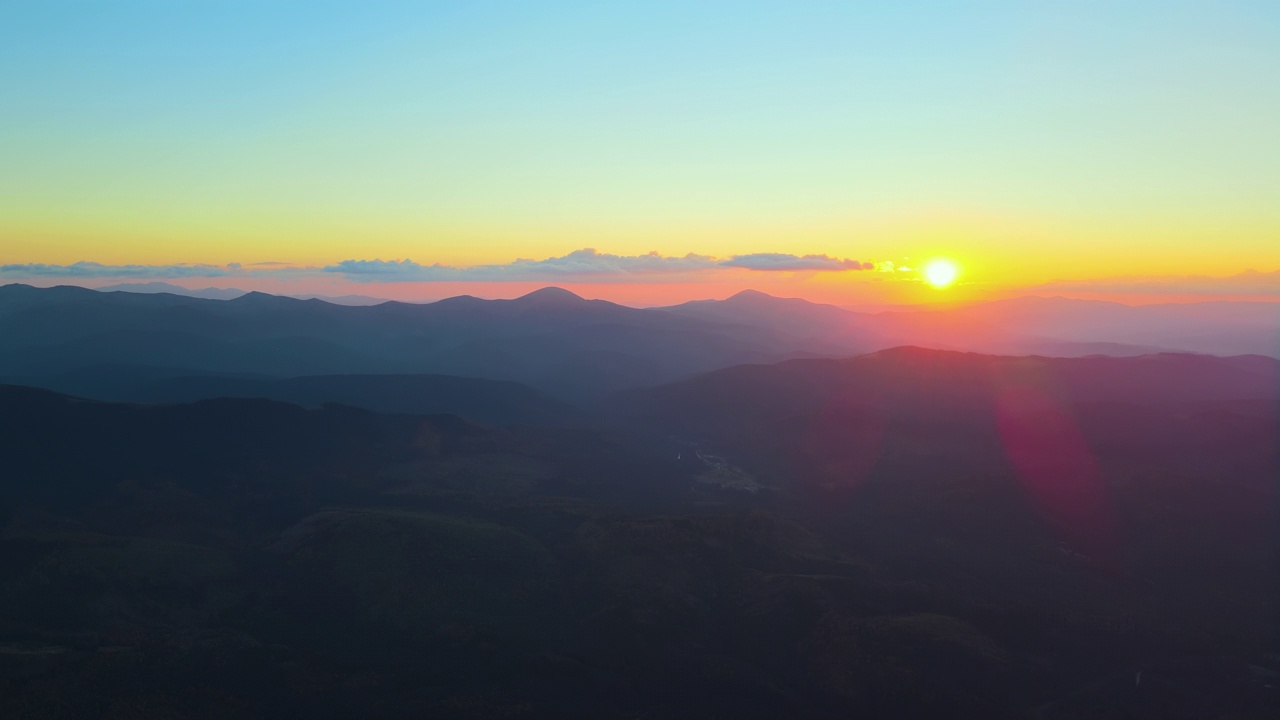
25, 290
915, 355
551, 296
755, 298
261, 298
148, 288
750, 296
913, 351
455, 301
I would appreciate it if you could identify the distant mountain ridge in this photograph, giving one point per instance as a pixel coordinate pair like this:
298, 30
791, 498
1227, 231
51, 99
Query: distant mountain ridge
552, 340
210, 293
1219, 328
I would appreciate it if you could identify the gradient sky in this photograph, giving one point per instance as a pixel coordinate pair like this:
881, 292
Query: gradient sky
1034, 142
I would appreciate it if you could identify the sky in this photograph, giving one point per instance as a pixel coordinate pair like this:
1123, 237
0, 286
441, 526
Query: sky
647, 152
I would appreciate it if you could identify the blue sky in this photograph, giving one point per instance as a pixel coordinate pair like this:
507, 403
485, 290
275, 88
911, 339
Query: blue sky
479, 132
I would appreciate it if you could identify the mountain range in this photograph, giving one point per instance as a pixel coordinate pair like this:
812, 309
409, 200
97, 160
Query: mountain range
117, 345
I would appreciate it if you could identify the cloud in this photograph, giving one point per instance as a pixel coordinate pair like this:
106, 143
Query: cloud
390, 270
578, 264
784, 262
587, 264
888, 266
91, 270
85, 269
1250, 282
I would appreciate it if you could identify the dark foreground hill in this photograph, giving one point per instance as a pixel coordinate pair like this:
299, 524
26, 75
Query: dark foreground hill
492, 402
495, 402
1075, 434
253, 559
920, 383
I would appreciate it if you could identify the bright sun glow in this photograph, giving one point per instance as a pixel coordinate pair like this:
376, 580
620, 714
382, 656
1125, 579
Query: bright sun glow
941, 272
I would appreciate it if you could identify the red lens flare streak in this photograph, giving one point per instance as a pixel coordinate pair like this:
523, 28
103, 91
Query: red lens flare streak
1057, 468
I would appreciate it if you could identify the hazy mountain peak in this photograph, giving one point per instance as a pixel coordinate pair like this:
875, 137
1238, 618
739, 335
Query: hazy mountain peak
355, 300
210, 293
750, 295
551, 294
908, 353
260, 298
756, 298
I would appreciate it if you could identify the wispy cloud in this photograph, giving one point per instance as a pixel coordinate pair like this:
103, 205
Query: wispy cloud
85, 269
587, 264
794, 263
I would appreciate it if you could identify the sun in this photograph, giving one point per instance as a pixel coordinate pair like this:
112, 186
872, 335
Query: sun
940, 272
